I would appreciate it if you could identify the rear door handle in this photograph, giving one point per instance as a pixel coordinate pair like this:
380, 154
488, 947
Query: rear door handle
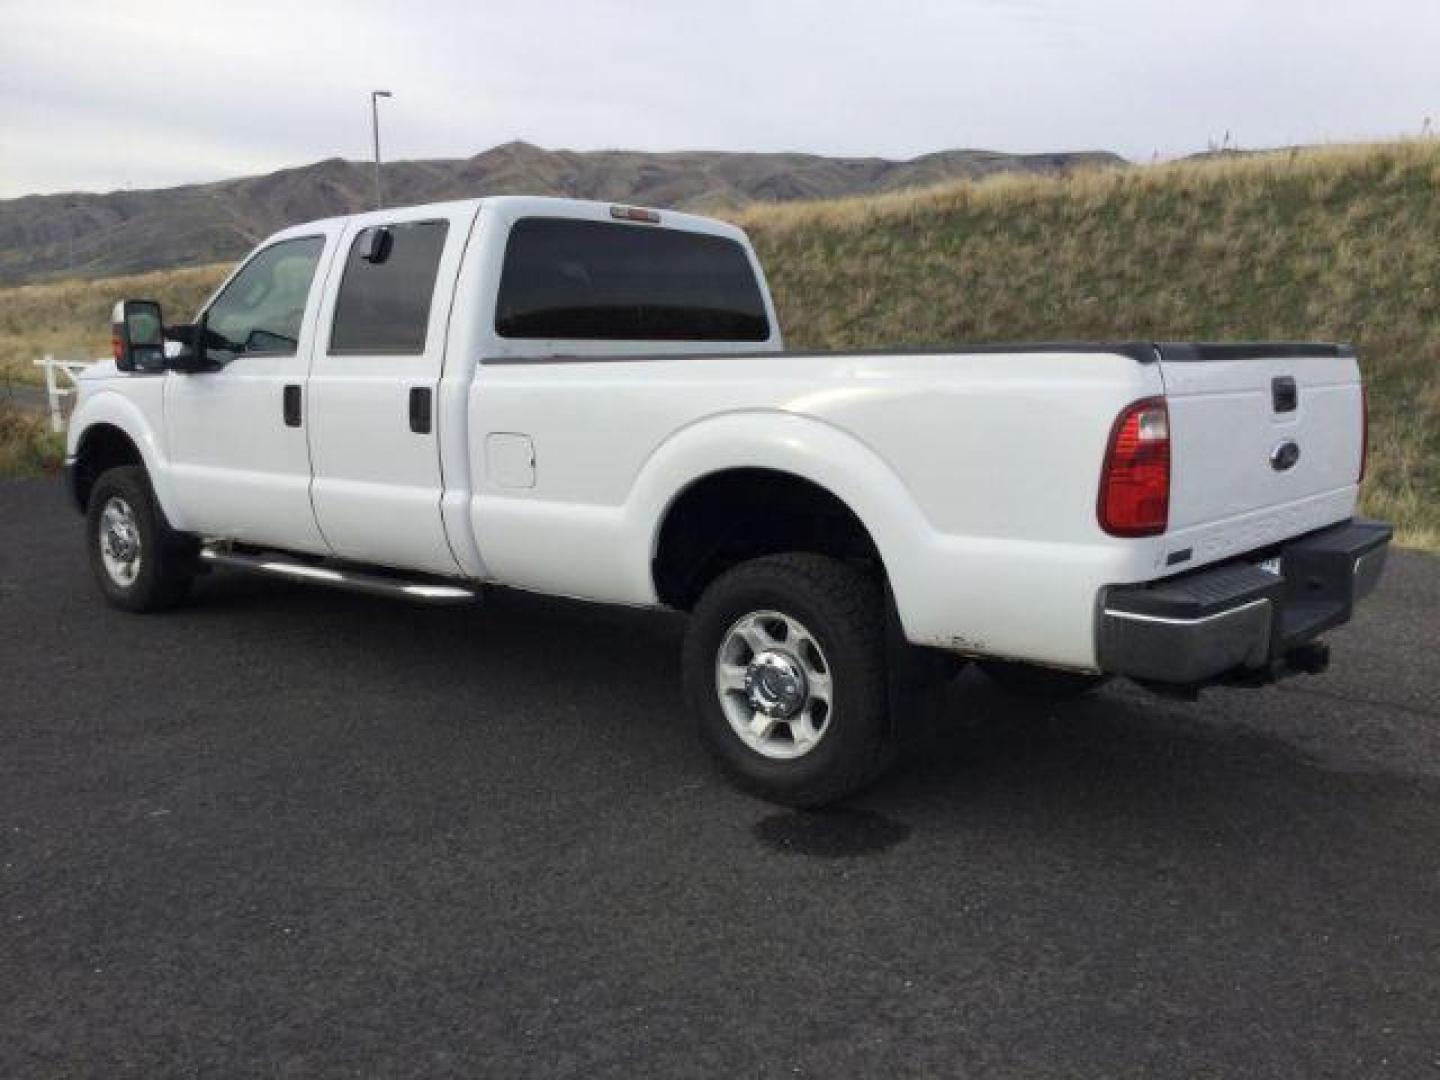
291, 405
420, 410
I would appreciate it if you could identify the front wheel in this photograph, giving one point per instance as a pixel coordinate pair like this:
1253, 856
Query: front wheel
785, 671
140, 563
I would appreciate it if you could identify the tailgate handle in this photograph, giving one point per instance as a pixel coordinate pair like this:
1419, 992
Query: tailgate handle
1284, 394
420, 410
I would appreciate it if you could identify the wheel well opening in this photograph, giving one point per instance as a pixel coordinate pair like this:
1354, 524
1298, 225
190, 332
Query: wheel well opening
741, 514
102, 447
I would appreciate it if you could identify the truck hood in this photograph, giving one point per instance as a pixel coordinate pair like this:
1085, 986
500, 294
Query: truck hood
101, 369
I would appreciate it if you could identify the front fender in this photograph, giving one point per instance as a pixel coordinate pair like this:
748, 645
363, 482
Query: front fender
105, 405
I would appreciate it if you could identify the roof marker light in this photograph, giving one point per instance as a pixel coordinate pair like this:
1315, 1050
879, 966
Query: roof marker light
634, 213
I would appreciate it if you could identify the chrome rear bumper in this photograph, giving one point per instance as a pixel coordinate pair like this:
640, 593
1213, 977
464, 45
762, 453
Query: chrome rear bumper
1238, 621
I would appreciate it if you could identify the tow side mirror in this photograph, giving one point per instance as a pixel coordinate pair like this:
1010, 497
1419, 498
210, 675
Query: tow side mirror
137, 336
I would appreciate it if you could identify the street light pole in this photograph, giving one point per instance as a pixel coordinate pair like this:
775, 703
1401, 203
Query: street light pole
375, 96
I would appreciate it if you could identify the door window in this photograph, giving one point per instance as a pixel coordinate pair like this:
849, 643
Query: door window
383, 307
259, 313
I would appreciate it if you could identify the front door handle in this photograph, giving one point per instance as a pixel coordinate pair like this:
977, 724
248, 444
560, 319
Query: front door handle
291, 405
420, 410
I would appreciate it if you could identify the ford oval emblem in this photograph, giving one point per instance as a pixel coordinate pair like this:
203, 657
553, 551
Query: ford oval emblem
1285, 455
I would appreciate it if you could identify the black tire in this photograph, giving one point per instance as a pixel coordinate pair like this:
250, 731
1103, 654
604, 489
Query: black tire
167, 559
844, 611
1042, 683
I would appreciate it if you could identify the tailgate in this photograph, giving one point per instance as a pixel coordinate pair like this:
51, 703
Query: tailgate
1265, 444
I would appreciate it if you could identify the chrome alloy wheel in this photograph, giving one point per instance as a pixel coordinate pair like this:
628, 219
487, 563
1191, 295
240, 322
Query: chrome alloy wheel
774, 685
120, 548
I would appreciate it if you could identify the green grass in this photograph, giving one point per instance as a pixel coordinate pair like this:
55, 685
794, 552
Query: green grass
1335, 244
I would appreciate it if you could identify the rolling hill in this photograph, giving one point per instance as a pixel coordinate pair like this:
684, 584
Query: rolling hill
48, 236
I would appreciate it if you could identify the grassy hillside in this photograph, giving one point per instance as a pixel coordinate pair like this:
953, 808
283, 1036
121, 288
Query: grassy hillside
1335, 244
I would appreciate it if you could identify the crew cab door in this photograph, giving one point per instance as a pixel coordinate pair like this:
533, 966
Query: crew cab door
235, 436
374, 437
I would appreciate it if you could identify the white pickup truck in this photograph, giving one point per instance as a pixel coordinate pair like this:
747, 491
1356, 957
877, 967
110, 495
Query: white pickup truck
594, 401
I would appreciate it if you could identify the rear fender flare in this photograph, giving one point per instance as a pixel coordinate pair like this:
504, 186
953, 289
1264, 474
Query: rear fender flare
785, 442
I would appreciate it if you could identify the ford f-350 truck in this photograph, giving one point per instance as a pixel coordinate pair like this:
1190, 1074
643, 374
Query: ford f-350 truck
594, 401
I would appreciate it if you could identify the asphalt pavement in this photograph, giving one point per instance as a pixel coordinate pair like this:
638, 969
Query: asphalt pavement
290, 832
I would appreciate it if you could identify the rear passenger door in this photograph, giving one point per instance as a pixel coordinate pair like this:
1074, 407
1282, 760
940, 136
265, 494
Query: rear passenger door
374, 446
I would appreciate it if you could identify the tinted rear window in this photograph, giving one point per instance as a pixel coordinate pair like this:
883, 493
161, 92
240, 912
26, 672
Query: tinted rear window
615, 282
384, 306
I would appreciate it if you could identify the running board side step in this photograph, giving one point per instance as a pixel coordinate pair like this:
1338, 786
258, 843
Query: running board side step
427, 591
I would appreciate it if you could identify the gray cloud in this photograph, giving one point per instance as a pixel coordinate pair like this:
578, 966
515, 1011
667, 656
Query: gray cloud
98, 95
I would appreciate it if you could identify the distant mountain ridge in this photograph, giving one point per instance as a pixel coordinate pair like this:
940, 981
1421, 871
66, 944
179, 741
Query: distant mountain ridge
49, 236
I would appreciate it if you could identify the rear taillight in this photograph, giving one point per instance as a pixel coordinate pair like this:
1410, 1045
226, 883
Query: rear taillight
1135, 486
1364, 433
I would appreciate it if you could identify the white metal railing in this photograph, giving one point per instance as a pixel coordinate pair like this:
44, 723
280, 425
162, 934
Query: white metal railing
55, 391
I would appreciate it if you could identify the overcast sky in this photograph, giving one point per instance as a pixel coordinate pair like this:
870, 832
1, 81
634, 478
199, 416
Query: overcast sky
104, 95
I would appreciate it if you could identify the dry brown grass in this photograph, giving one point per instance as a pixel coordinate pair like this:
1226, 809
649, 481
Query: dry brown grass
27, 446
71, 319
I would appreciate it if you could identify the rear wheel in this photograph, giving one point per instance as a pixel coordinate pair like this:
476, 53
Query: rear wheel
1042, 683
785, 671
140, 563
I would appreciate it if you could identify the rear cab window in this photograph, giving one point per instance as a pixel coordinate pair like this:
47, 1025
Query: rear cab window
574, 279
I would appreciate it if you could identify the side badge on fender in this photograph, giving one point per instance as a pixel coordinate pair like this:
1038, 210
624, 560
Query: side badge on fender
1285, 455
